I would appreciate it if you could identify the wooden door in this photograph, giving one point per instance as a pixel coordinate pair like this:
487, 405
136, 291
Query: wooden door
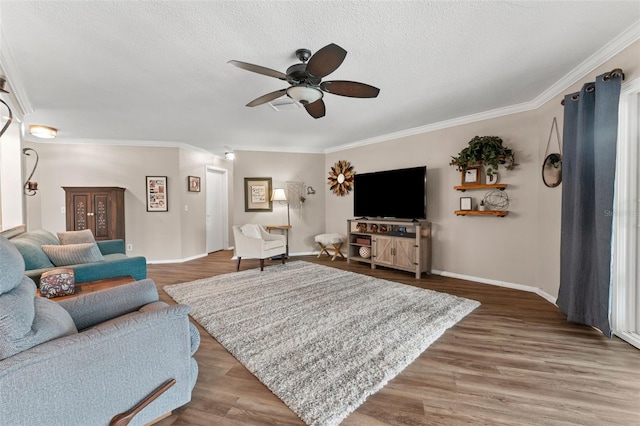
99, 217
405, 253
383, 250
78, 206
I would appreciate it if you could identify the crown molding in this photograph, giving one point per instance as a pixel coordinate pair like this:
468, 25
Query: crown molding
12, 77
608, 51
121, 142
615, 46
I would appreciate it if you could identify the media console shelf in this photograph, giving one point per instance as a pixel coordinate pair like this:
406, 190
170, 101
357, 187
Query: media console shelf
500, 186
499, 213
404, 245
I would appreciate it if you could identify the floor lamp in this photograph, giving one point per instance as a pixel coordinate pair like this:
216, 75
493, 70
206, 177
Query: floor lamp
279, 195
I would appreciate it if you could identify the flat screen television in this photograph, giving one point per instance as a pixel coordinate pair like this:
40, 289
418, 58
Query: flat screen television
398, 194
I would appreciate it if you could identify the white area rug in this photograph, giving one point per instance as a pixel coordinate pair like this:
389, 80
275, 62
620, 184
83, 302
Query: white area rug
321, 339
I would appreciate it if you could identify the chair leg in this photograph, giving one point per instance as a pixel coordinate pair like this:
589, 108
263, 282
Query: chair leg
262, 264
238, 264
337, 252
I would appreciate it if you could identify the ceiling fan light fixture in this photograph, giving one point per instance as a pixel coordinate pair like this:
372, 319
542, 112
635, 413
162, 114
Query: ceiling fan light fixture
44, 132
304, 94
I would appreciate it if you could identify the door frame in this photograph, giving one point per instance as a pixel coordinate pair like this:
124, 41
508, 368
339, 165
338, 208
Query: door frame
224, 199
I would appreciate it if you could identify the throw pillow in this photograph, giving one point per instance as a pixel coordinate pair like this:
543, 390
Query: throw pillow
73, 254
251, 231
76, 237
34, 257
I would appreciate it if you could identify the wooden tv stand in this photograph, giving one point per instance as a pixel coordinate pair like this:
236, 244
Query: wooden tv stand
397, 244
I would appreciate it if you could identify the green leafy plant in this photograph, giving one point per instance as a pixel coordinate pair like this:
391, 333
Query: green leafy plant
484, 151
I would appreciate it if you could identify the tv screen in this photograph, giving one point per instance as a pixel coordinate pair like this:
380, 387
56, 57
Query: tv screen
399, 194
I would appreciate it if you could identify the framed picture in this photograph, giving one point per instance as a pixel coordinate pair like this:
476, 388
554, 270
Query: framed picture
194, 184
472, 176
257, 194
156, 189
465, 203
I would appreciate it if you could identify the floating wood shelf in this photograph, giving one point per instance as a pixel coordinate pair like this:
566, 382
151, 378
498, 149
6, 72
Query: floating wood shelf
500, 186
498, 213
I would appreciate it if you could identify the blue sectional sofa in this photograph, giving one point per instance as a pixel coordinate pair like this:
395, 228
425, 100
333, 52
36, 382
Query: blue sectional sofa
115, 264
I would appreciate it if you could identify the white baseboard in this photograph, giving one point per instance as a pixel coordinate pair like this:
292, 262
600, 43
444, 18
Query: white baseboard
631, 338
159, 262
540, 292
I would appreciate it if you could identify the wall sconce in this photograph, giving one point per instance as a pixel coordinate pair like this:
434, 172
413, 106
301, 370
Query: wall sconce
30, 187
310, 190
10, 116
279, 195
229, 155
44, 132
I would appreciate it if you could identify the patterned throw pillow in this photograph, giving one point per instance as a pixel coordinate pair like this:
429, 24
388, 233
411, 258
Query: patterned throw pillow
76, 237
57, 282
73, 254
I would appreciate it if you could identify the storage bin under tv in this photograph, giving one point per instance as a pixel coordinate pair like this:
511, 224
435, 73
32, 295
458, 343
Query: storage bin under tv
404, 245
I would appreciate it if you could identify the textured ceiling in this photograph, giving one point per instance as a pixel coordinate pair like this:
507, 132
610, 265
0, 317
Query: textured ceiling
157, 70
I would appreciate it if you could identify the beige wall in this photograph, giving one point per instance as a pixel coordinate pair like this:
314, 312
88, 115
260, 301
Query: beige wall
160, 236
282, 167
522, 248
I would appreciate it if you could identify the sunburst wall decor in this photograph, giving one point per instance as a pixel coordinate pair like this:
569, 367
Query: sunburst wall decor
341, 178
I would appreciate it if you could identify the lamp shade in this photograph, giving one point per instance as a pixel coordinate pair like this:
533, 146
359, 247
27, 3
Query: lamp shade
44, 132
304, 94
278, 195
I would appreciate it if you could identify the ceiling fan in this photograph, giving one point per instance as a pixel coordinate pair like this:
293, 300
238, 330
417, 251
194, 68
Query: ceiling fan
305, 79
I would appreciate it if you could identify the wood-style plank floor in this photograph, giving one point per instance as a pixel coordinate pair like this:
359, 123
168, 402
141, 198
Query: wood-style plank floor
514, 360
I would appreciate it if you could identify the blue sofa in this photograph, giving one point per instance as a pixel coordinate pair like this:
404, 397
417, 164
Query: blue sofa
84, 360
116, 263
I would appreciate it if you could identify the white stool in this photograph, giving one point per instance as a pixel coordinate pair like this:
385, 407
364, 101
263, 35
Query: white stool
331, 243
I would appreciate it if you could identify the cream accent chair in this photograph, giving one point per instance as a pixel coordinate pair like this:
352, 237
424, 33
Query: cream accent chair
253, 242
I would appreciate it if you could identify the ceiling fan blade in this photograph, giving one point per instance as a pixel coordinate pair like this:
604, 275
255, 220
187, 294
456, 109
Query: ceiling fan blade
260, 70
352, 89
326, 60
267, 98
316, 109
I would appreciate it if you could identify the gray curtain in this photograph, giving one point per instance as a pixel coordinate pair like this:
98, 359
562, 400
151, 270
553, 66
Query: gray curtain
588, 170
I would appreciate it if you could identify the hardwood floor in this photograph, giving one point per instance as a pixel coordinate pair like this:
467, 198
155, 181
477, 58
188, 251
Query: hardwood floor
514, 360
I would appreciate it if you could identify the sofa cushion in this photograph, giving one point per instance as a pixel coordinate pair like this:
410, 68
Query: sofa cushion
34, 257
76, 237
27, 321
73, 254
11, 266
39, 236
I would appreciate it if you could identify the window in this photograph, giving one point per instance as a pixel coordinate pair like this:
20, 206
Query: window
625, 274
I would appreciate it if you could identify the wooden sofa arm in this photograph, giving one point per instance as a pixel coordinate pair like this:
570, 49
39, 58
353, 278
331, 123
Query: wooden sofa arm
123, 419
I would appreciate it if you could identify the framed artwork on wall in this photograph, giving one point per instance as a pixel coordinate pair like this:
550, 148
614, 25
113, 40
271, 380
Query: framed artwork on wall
194, 184
257, 194
156, 190
472, 176
465, 203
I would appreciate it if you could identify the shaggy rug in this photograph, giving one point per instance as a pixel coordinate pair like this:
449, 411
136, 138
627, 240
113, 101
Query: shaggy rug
319, 338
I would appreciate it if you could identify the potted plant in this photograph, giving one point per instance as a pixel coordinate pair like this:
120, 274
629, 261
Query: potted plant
484, 151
